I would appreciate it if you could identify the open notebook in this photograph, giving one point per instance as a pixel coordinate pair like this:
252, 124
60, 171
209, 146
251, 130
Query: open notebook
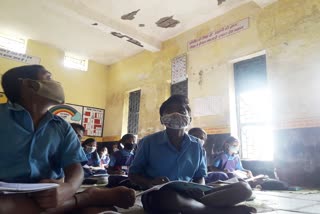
11, 188
178, 186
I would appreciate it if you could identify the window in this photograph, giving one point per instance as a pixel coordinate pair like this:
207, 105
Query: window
134, 108
253, 101
75, 62
18, 45
180, 88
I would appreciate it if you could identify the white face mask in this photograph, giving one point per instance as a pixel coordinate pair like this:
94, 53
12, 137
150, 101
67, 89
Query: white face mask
49, 89
90, 149
175, 120
233, 149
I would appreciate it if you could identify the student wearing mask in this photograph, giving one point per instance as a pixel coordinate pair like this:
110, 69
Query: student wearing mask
172, 154
104, 157
121, 160
202, 136
229, 161
44, 148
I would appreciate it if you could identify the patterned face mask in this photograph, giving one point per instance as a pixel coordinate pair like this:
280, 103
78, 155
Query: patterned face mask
175, 120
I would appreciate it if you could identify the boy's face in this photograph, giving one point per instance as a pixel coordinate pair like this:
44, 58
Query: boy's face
43, 74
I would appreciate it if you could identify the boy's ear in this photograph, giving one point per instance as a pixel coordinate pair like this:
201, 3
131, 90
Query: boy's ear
30, 84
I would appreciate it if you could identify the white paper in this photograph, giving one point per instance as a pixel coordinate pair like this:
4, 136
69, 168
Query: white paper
178, 186
206, 106
8, 188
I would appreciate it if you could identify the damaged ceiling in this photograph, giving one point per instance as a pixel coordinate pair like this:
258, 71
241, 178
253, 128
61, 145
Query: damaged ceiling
107, 31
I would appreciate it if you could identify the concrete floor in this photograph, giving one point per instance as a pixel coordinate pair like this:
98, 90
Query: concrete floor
271, 202
285, 202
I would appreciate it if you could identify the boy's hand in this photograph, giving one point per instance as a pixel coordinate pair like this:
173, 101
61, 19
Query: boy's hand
159, 180
123, 197
53, 198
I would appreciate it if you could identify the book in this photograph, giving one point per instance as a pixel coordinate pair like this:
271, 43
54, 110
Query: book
178, 186
12, 188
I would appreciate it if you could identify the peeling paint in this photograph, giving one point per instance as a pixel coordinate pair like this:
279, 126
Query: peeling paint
167, 22
130, 16
221, 1
129, 39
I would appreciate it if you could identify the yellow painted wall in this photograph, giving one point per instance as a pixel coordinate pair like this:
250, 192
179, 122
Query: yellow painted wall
83, 88
289, 32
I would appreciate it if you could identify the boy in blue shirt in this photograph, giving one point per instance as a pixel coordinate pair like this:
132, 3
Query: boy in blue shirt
40, 147
174, 155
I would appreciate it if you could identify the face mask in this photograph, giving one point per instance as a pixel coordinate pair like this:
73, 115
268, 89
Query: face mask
233, 149
90, 149
128, 146
175, 120
103, 157
49, 89
201, 142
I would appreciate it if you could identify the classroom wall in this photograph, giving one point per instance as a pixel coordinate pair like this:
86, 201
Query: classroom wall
288, 31
83, 88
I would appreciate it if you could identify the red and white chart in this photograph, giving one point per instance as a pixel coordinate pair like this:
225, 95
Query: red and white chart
92, 120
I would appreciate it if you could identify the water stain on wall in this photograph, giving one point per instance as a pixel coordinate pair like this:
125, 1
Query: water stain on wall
221, 1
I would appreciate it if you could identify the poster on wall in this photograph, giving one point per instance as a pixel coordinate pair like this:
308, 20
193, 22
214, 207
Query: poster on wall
3, 98
69, 112
179, 69
92, 120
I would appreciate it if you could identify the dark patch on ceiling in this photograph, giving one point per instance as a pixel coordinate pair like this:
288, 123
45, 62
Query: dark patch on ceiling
94, 24
221, 1
167, 22
141, 25
130, 16
129, 39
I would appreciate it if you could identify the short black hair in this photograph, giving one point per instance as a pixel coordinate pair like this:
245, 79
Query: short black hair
88, 141
11, 83
77, 126
126, 137
194, 131
175, 99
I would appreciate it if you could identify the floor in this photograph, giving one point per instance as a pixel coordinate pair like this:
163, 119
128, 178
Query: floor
272, 202
285, 202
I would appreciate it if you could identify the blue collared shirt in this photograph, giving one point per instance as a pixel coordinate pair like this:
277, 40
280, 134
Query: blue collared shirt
230, 162
28, 154
121, 157
156, 157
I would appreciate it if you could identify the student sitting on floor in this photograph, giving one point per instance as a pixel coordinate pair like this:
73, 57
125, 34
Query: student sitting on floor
104, 157
121, 160
212, 176
174, 155
93, 165
38, 146
229, 161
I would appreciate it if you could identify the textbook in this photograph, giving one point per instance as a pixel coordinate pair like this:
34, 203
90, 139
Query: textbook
178, 186
12, 188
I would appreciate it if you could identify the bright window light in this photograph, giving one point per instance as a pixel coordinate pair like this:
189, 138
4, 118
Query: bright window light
75, 62
18, 45
255, 125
